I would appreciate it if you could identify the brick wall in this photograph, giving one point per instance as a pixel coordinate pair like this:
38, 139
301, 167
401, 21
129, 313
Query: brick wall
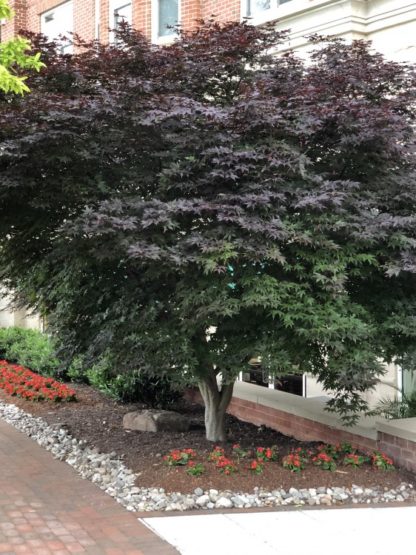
295, 426
142, 20
399, 449
34, 9
84, 18
28, 15
402, 451
11, 28
224, 10
191, 12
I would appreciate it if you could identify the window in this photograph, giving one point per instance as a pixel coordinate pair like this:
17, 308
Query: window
260, 8
290, 383
409, 382
165, 16
59, 22
120, 12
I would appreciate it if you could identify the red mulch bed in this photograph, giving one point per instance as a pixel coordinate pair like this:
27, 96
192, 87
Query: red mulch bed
98, 420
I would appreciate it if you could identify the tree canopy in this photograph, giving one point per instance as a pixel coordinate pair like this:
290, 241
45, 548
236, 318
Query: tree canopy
194, 205
14, 58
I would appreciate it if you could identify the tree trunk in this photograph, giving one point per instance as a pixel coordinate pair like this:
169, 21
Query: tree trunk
216, 402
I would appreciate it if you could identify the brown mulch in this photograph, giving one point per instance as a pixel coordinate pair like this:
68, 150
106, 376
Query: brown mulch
98, 420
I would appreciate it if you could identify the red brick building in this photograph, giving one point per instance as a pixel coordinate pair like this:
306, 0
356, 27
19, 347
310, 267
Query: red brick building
390, 24
93, 18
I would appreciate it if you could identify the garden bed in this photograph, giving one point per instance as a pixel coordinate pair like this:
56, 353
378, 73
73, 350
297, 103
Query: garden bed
98, 420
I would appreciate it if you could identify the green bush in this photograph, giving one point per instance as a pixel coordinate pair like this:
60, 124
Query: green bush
76, 371
395, 409
9, 336
135, 386
130, 387
29, 348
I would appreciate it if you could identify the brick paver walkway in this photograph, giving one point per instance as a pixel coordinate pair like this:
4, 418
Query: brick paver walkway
46, 508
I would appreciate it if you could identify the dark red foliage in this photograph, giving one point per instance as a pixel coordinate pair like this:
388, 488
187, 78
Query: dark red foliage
150, 193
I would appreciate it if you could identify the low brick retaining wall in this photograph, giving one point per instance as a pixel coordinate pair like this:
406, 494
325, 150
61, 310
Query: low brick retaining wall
398, 439
306, 419
296, 426
401, 450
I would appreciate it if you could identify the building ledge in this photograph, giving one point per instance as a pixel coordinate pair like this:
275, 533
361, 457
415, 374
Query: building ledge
404, 428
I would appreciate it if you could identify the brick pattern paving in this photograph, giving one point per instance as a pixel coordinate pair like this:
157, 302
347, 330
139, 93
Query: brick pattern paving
47, 509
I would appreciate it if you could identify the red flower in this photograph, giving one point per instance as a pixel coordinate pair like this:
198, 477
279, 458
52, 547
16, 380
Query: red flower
17, 380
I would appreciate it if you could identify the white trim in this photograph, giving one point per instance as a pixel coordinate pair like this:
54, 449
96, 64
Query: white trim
349, 19
400, 383
156, 39
97, 17
293, 9
358, 18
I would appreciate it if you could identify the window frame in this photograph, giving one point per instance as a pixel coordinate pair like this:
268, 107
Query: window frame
156, 38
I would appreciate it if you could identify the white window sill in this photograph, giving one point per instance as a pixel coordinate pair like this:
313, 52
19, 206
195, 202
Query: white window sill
166, 40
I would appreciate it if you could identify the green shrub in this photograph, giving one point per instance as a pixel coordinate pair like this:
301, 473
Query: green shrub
135, 386
9, 336
76, 371
395, 409
30, 348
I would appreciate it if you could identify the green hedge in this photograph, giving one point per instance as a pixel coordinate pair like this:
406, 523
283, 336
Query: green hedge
29, 348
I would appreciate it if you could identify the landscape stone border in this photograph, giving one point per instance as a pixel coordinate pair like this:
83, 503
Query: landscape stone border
113, 477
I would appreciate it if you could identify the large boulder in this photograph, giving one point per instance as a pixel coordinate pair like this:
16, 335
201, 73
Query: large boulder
156, 421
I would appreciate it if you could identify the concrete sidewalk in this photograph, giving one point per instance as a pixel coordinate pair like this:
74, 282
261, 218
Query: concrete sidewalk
47, 509
375, 531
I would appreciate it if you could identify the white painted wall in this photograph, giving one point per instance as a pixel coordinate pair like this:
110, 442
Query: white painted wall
390, 24
21, 318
